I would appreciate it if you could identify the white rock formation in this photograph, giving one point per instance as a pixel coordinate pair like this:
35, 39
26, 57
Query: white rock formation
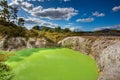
105, 50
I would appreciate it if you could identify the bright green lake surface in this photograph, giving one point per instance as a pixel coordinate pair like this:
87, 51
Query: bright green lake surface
52, 64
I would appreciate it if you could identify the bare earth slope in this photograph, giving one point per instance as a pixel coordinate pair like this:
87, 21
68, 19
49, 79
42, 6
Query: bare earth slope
105, 50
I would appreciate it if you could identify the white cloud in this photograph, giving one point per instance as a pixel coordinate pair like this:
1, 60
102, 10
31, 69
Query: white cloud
66, 0
72, 27
37, 21
116, 8
27, 6
85, 20
76, 28
70, 23
49, 13
38, 8
24, 5
20, 3
15, 4
97, 14
56, 13
114, 27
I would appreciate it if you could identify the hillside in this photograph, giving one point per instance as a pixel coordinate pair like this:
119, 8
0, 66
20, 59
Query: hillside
104, 49
59, 40
16, 37
13, 37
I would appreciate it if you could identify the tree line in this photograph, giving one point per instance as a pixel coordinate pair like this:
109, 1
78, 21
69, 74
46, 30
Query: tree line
49, 29
9, 14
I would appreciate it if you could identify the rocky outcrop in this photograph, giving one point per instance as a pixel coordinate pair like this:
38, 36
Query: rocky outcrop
17, 43
36, 43
105, 50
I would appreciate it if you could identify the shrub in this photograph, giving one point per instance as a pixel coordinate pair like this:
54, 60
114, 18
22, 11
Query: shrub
5, 73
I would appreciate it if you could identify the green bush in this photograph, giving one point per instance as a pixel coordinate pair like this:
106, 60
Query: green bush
5, 73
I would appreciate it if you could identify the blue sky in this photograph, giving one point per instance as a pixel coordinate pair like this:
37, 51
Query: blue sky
87, 15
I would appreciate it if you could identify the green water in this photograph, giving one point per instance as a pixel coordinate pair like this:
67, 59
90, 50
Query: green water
52, 64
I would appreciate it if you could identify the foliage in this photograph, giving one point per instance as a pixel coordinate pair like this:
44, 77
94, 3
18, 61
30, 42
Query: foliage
49, 29
13, 14
9, 14
44, 28
21, 22
5, 11
36, 27
12, 31
66, 30
58, 29
5, 73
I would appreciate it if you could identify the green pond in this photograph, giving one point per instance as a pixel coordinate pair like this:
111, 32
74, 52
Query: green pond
52, 64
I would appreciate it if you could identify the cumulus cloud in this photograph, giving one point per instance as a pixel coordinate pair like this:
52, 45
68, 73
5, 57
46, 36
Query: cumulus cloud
97, 14
37, 21
50, 13
21, 4
38, 8
56, 13
116, 8
85, 20
114, 27
27, 6
15, 4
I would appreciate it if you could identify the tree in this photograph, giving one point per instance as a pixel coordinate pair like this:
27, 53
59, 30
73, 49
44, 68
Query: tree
44, 28
57, 29
13, 13
5, 10
21, 22
66, 30
3, 4
7, 14
36, 27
